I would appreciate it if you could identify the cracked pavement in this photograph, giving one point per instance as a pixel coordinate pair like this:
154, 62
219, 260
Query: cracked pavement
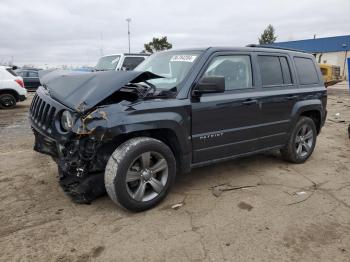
253, 209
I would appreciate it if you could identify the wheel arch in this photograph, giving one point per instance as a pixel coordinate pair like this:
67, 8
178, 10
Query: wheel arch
10, 91
309, 108
315, 115
167, 136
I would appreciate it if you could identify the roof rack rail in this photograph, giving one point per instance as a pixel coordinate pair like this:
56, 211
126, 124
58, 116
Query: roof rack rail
275, 47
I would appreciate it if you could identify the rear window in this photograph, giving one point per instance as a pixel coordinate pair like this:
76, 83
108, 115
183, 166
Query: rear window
33, 74
21, 73
107, 63
11, 71
306, 70
130, 62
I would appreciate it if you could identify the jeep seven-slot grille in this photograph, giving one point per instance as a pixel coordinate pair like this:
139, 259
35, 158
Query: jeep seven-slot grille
42, 113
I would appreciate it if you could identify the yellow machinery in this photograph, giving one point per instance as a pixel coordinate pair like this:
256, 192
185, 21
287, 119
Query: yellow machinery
331, 74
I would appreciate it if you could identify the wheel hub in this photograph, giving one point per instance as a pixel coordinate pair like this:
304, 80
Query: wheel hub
146, 174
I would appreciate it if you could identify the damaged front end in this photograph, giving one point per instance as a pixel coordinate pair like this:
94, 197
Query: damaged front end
82, 143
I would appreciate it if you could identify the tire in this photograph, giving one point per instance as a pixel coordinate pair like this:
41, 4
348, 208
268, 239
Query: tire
140, 173
7, 101
302, 141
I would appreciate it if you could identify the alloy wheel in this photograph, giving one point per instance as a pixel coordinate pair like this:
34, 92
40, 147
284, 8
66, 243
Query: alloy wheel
304, 141
147, 176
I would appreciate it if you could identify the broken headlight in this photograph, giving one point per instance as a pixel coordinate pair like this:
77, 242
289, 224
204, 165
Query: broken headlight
66, 121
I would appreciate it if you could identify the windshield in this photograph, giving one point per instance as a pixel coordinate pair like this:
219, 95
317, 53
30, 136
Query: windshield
173, 66
108, 62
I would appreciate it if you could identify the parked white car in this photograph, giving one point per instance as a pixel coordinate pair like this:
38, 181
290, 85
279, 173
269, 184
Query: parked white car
120, 61
11, 88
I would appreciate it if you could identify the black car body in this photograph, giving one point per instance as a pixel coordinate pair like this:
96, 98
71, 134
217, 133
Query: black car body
230, 102
30, 78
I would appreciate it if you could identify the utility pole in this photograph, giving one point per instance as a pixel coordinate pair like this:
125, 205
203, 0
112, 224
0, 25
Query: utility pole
346, 55
101, 48
128, 20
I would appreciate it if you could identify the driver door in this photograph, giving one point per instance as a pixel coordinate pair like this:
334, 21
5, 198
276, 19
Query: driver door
223, 124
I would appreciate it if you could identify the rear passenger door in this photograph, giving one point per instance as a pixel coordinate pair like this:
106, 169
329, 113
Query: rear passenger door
279, 96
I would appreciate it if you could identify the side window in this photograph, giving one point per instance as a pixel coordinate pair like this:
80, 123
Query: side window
32, 74
11, 71
236, 69
306, 70
287, 78
270, 70
21, 73
131, 62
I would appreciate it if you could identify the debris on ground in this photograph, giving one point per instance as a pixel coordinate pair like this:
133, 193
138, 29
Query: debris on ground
217, 190
337, 120
177, 206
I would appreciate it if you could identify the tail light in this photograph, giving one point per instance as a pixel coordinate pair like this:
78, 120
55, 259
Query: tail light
20, 82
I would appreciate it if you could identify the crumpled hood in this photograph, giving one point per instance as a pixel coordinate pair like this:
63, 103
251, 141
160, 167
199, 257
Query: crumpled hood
82, 91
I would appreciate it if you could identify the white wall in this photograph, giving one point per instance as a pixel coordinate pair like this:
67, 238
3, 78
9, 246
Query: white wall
335, 58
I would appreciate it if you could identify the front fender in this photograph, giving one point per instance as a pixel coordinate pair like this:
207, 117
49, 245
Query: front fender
165, 120
106, 123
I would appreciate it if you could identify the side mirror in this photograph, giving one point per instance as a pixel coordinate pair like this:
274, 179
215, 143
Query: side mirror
210, 84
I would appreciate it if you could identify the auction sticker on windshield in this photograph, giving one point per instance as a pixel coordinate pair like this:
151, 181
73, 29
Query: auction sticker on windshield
183, 58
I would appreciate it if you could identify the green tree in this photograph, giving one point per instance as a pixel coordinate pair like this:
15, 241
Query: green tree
268, 36
158, 44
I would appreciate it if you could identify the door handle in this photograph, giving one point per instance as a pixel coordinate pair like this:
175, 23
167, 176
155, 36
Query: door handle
291, 97
250, 101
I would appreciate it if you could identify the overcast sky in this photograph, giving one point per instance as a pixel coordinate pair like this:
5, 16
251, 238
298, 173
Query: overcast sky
72, 32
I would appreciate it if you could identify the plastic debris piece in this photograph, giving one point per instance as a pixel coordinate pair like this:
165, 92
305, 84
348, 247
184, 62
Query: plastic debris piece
177, 206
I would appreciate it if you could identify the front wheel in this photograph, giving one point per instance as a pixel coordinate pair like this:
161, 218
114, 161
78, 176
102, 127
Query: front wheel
302, 141
139, 173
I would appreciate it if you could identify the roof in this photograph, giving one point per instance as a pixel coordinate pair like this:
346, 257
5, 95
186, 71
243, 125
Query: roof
131, 54
318, 45
249, 48
27, 69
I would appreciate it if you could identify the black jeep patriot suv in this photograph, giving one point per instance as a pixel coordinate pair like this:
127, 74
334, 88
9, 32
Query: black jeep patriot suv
129, 133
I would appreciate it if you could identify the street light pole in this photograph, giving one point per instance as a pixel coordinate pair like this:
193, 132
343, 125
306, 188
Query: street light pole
128, 20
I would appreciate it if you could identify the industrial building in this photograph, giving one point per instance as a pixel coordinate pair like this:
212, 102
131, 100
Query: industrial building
328, 50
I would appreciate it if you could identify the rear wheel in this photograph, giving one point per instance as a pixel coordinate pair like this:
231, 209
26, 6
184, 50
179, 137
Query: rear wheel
7, 101
302, 141
139, 173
